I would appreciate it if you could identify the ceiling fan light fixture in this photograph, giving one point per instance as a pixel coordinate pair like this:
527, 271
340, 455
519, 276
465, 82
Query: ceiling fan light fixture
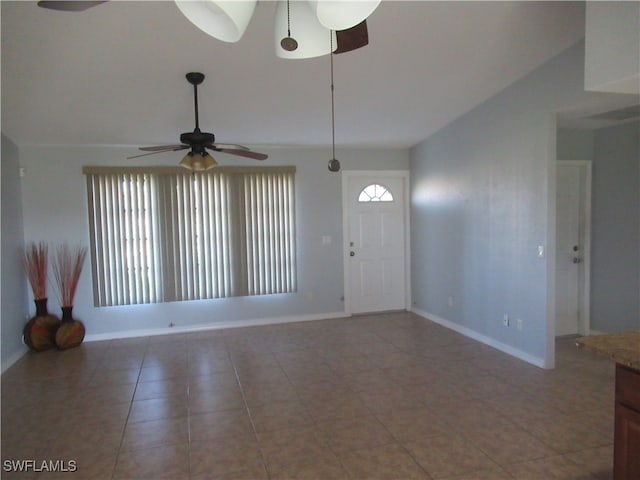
198, 162
311, 37
225, 20
342, 14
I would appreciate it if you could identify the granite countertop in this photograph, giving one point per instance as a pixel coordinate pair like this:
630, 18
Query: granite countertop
623, 348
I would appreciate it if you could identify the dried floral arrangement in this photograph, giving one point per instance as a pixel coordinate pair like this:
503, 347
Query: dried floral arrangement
35, 264
67, 267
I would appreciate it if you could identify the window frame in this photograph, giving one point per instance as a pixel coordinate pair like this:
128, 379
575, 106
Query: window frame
376, 198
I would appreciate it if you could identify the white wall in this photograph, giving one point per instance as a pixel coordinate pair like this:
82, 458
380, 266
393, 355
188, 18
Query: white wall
55, 210
14, 286
483, 200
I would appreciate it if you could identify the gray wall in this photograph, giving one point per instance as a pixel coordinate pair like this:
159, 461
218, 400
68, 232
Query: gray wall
55, 210
483, 201
615, 269
574, 144
13, 280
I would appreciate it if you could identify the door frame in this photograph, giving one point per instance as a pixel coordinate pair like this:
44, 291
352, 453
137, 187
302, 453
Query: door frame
381, 174
584, 302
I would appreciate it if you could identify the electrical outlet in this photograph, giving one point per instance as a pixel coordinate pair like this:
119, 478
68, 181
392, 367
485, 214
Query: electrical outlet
450, 301
520, 324
505, 320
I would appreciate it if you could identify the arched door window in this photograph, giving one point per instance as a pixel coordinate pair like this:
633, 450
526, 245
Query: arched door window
375, 193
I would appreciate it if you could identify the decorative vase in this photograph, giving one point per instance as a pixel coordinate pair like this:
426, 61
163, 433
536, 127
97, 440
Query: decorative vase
71, 332
40, 332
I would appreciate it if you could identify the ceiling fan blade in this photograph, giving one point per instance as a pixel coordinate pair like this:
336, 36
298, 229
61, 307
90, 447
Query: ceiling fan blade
163, 148
154, 150
352, 38
69, 6
227, 145
243, 153
143, 155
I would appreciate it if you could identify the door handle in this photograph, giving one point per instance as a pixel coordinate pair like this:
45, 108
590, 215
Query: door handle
352, 254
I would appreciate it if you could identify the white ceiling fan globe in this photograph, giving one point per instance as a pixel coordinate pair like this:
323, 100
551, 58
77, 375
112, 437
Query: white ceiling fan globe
342, 14
225, 20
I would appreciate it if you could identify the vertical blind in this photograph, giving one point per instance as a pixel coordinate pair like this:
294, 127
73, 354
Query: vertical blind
165, 234
268, 234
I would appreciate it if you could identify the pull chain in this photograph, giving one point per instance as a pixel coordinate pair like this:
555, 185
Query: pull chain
288, 19
333, 114
289, 43
334, 164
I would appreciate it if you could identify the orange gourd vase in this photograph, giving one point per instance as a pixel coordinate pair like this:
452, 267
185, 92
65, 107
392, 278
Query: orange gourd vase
71, 331
40, 331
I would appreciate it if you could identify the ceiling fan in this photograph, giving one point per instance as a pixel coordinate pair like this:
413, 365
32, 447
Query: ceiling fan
198, 159
313, 20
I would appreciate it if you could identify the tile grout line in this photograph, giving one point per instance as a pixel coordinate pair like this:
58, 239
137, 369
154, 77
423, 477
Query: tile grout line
126, 422
247, 409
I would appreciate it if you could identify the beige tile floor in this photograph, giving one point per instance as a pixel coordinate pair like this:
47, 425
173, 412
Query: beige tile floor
389, 396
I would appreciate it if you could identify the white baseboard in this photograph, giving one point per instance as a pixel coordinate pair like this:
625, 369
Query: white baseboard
186, 329
148, 332
14, 358
467, 332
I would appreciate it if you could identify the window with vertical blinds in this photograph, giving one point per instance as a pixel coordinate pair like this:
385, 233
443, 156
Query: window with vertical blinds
164, 234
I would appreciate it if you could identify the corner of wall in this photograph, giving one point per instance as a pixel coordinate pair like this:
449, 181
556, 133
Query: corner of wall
13, 286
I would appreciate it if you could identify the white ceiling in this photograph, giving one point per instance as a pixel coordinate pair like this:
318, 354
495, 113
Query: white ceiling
114, 74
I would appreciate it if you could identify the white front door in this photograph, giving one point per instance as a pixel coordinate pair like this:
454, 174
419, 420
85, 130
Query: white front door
376, 248
570, 247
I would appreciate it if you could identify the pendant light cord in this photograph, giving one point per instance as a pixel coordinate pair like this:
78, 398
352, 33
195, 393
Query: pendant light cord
333, 119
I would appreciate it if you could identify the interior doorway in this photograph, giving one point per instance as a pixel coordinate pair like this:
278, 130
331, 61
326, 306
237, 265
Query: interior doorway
573, 247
